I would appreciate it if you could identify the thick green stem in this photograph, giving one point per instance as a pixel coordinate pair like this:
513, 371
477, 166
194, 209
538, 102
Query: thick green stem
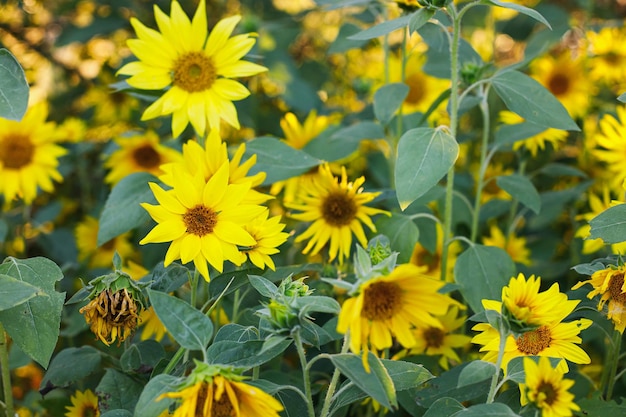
493, 388
6, 373
480, 182
333, 381
612, 362
306, 380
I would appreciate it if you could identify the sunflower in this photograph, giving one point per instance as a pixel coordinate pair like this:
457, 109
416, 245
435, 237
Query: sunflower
546, 389
391, 306
513, 245
202, 219
28, 155
598, 203
268, 234
538, 142
566, 79
612, 144
211, 391
195, 70
337, 209
86, 234
440, 341
84, 404
608, 59
138, 153
421, 256
609, 284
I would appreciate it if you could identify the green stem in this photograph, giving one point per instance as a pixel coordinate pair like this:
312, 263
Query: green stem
6, 373
305, 373
484, 108
333, 381
493, 388
515, 204
613, 360
174, 361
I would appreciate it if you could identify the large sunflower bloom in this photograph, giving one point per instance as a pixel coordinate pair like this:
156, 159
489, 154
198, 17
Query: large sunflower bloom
391, 306
195, 71
28, 155
609, 284
337, 209
202, 219
83, 404
546, 388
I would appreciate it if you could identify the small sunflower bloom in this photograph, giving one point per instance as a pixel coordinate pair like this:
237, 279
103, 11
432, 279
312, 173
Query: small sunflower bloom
609, 284
513, 245
391, 306
195, 68
607, 63
268, 233
538, 142
546, 389
138, 153
211, 391
84, 403
29, 156
86, 233
337, 210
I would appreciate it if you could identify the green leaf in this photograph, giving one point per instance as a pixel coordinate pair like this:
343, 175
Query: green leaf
531, 100
13, 87
521, 9
381, 29
476, 371
118, 391
342, 43
420, 18
520, 187
388, 99
14, 292
316, 303
4, 230
167, 279
71, 365
486, 410
148, 404
482, 271
248, 354
377, 383
595, 407
264, 286
34, 324
424, 156
187, 325
142, 357
402, 232
622, 97
610, 225
278, 160
236, 333
446, 385
406, 375
122, 211
117, 413
444, 407
343, 142
509, 134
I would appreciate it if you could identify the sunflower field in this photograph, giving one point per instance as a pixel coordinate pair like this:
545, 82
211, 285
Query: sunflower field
312, 208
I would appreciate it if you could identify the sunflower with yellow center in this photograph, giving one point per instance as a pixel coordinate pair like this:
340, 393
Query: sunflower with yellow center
609, 284
607, 63
513, 245
546, 389
611, 140
138, 153
538, 142
268, 233
194, 69
421, 256
203, 220
84, 404
337, 210
211, 391
391, 306
29, 156
86, 233
440, 341
565, 77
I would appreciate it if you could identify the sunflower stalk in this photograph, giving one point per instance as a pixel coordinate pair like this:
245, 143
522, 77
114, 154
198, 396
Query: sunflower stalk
334, 380
305, 372
613, 361
6, 373
493, 387
484, 109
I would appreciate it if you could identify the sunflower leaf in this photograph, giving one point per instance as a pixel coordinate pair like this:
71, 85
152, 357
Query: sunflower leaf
521, 9
388, 99
622, 97
14, 292
521, 188
610, 225
150, 404
13, 87
381, 29
444, 407
486, 410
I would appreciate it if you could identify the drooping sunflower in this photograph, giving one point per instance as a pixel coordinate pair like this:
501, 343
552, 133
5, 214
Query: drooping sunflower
138, 153
391, 306
269, 235
29, 156
86, 233
546, 389
84, 404
609, 284
611, 140
211, 391
513, 245
195, 70
337, 210
202, 219
537, 142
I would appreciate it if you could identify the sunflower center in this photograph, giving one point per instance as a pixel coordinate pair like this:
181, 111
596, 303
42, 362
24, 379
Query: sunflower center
16, 151
147, 157
222, 407
90, 411
615, 288
381, 301
194, 72
434, 337
425, 258
535, 341
547, 391
416, 89
339, 209
200, 220
201, 399
109, 245
559, 84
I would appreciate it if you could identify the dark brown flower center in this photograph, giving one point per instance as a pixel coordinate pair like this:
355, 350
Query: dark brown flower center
16, 151
548, 390
434, 337
615, 288
200, 220
559, 84
535, 341
222, 407
381, 301
416, 89
147, 157
201, 399
90, 411
425, 258
194, 72
339, 209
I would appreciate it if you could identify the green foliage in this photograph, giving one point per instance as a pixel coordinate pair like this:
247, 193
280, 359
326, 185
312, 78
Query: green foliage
520, 188
388, 99
14, 89
610, 225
